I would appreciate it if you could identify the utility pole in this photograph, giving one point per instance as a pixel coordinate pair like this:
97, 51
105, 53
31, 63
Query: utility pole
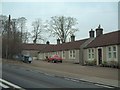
8, 32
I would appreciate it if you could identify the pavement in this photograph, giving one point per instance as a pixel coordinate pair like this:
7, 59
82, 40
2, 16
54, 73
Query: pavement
93, 74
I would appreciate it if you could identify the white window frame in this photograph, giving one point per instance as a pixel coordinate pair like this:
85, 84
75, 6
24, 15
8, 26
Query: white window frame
91, 53
71, 54
112, 53
74, 54
109, 52
115, 52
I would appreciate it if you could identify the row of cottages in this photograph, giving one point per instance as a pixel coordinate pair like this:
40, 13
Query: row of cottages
104, 48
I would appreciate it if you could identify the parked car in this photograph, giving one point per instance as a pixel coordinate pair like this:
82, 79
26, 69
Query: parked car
27, 59
55, 59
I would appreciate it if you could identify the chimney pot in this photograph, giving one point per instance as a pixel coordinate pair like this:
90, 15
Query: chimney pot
58, 41
99, 31
47, 42
72, 37
91, 33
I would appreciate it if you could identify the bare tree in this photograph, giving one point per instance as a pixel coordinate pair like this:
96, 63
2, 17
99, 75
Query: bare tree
11, 38
38, 29
62, 27
4, 33
26, 36
3, 21
21, 25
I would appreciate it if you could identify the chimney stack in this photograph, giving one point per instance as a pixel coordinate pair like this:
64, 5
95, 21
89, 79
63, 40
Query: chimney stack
91, 33
47, 42
99, 31
58, 41
72, 38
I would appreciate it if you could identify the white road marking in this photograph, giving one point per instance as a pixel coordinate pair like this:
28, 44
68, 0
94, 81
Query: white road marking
13, 85
67, 78
103, 86
4, 86
72, 79
49, 74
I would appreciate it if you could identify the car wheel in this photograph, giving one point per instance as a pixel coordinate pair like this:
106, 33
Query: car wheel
54, 61
61, 61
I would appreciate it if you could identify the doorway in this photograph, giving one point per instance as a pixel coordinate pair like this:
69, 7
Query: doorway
100, 56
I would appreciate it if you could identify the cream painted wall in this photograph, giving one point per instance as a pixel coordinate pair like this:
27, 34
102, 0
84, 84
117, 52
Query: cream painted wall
41, 56
96, 54
104, 54
85, 57
33, 53
73, 60
119, 55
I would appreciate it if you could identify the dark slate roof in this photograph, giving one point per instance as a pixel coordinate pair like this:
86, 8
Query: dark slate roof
33, 46
70, 45
65, 46
48, 48
52, 48
112, 38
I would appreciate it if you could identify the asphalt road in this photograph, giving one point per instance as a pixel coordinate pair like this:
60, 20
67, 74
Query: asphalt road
32, 78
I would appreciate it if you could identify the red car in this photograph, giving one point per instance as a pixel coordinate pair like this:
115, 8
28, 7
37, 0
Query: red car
54, 59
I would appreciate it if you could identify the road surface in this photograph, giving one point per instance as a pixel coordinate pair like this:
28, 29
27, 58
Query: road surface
31, 78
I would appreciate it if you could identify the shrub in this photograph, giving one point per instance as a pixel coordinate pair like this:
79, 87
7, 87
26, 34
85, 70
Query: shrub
104, 63
114, 64
91, 63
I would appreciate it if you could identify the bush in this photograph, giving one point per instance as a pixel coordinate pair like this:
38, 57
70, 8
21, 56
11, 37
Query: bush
114, 64
91, 63
104, 63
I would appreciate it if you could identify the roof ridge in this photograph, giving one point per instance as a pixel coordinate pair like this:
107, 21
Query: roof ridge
111, 32
110, 38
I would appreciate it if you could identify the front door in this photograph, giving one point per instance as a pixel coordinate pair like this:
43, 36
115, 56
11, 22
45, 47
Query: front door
100, 56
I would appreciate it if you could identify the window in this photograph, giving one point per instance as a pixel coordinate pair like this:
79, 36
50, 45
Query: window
72, 54
109, 55
109, 52
112, 52
109, 49
114, 48
63, 54
92, 50
114, 55
91, 54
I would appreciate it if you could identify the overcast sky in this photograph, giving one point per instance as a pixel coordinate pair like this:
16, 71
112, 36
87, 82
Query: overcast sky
88, 14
